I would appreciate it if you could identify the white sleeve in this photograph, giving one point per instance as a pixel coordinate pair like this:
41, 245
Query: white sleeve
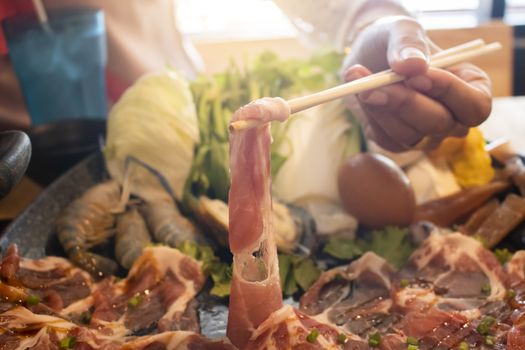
334, 23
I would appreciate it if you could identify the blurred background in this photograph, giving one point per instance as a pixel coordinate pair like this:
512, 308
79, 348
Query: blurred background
71, 62
216, 31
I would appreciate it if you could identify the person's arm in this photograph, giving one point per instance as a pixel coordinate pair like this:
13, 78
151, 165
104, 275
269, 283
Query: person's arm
431, 105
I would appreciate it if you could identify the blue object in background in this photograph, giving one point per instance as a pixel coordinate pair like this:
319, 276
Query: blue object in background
60, 64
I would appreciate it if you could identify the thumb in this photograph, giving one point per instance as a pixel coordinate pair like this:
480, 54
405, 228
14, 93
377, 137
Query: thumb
408, 50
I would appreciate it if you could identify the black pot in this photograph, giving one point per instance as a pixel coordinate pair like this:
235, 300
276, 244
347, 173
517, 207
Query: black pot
59, 145
15, 153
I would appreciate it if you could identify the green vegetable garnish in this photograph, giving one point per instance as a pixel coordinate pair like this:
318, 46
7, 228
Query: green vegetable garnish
341, 338
288, 283
67, 343
486, 323
312, 336
412, 347
221, 275
219, 272
85, 317
503, 255
341, 248
463, 346
135, 301
32, 299
391, 243
297, 272
510, 294
412, 341
486, 289
490, 340
374, 340
404, 283
305, 272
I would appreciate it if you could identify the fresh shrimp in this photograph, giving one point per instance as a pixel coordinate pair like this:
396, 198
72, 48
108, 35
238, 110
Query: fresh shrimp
131, 237
87, 222
168, 225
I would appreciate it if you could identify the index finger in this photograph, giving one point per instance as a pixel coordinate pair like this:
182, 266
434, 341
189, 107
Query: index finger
464, 89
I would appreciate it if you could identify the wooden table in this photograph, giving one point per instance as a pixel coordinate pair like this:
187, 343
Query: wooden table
507, 120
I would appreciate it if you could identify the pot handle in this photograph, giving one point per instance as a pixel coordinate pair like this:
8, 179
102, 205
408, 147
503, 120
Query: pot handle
15, 153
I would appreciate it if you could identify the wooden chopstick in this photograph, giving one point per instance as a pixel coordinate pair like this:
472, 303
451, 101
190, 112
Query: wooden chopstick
441, 59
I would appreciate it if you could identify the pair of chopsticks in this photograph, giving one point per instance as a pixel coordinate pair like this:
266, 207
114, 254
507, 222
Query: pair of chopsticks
441, 59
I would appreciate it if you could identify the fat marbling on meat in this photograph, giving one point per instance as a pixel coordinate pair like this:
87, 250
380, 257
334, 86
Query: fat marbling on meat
255, 289
153, 308
452, 292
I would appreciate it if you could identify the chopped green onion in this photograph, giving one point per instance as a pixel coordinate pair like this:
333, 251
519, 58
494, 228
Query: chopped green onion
503, 255
412, 347
374, 340
404, 283
85, 317
480, 239
312, 337
490, 340
463, 346
485, 325
32, 299
67, 343
341, 338
135, 301
486, 289
510, 294
412, 341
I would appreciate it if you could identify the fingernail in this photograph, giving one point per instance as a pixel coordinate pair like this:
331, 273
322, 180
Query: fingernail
420, 83
376, 98
412, 52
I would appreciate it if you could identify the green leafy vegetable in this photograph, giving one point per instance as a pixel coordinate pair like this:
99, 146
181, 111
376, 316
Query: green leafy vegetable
391, 243
288, 284
217, 97
155, 115
343, 248
220, 272
297, 272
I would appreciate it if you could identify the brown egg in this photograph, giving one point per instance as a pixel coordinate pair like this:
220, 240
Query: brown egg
376, 191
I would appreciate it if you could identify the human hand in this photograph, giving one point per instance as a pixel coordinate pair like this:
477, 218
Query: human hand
431, 104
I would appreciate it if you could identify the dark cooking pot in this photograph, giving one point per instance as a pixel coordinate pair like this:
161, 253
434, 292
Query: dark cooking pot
15, 153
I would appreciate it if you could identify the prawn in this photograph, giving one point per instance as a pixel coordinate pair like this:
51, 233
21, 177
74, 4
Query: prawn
131, 237
168, 225
87, 222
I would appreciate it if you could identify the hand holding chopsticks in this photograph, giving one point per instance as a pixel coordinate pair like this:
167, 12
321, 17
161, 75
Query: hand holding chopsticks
441, 59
